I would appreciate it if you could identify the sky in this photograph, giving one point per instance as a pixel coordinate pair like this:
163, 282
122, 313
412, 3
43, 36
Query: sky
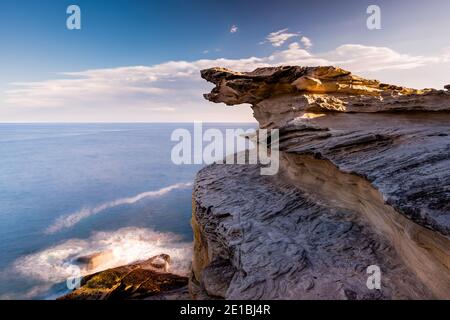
139, 61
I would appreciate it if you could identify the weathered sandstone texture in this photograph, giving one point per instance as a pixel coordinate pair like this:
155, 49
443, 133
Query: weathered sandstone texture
142, 280
278, 95
364, 180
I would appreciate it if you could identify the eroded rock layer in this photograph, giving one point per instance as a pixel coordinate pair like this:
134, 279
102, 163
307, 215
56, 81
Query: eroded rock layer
405, 157
261, 237
364, 179
280, 94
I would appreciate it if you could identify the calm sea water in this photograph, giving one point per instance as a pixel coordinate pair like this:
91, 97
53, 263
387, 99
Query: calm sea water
70, 190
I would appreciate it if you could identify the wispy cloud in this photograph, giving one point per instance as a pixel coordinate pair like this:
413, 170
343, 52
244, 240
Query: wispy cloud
278, 38
360, 58
234, 28
307, 43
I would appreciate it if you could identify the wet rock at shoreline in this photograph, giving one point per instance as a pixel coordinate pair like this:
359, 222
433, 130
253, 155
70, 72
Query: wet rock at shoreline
141, 280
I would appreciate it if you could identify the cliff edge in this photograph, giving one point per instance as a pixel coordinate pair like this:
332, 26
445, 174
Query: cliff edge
364, 181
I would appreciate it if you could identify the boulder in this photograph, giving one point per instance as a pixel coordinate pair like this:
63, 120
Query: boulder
142, 280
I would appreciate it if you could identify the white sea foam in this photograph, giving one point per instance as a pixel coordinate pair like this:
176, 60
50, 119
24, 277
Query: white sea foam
127, 245
68, 221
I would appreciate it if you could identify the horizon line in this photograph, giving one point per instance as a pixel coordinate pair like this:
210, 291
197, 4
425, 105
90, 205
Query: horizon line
114, 122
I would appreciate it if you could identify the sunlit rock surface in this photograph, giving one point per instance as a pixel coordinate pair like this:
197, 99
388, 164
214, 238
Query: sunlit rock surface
364, 180
142, 280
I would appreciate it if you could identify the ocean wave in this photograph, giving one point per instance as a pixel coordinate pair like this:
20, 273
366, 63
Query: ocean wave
125, 246
68, 221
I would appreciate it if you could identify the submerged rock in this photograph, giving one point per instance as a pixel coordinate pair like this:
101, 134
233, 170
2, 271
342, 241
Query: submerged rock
364, 180
94, 260
141, 280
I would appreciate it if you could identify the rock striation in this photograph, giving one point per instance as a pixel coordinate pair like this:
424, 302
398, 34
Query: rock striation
280, 94
364, 180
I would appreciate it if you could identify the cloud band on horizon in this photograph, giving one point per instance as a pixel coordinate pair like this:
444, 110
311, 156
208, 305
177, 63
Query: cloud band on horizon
168, 86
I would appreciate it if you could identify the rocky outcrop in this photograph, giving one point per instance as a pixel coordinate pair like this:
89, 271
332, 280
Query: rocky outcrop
280, 94
142, 280
364, 180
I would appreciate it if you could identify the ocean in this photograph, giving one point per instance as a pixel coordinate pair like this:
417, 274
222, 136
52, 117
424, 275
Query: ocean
72, 190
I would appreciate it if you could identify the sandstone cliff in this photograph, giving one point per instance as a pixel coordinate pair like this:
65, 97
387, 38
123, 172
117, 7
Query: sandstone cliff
364, 180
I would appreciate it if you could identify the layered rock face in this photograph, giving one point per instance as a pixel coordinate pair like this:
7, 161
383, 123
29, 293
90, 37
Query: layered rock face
364, 180
280, 94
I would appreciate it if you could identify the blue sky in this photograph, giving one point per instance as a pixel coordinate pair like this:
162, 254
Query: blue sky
118, 60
